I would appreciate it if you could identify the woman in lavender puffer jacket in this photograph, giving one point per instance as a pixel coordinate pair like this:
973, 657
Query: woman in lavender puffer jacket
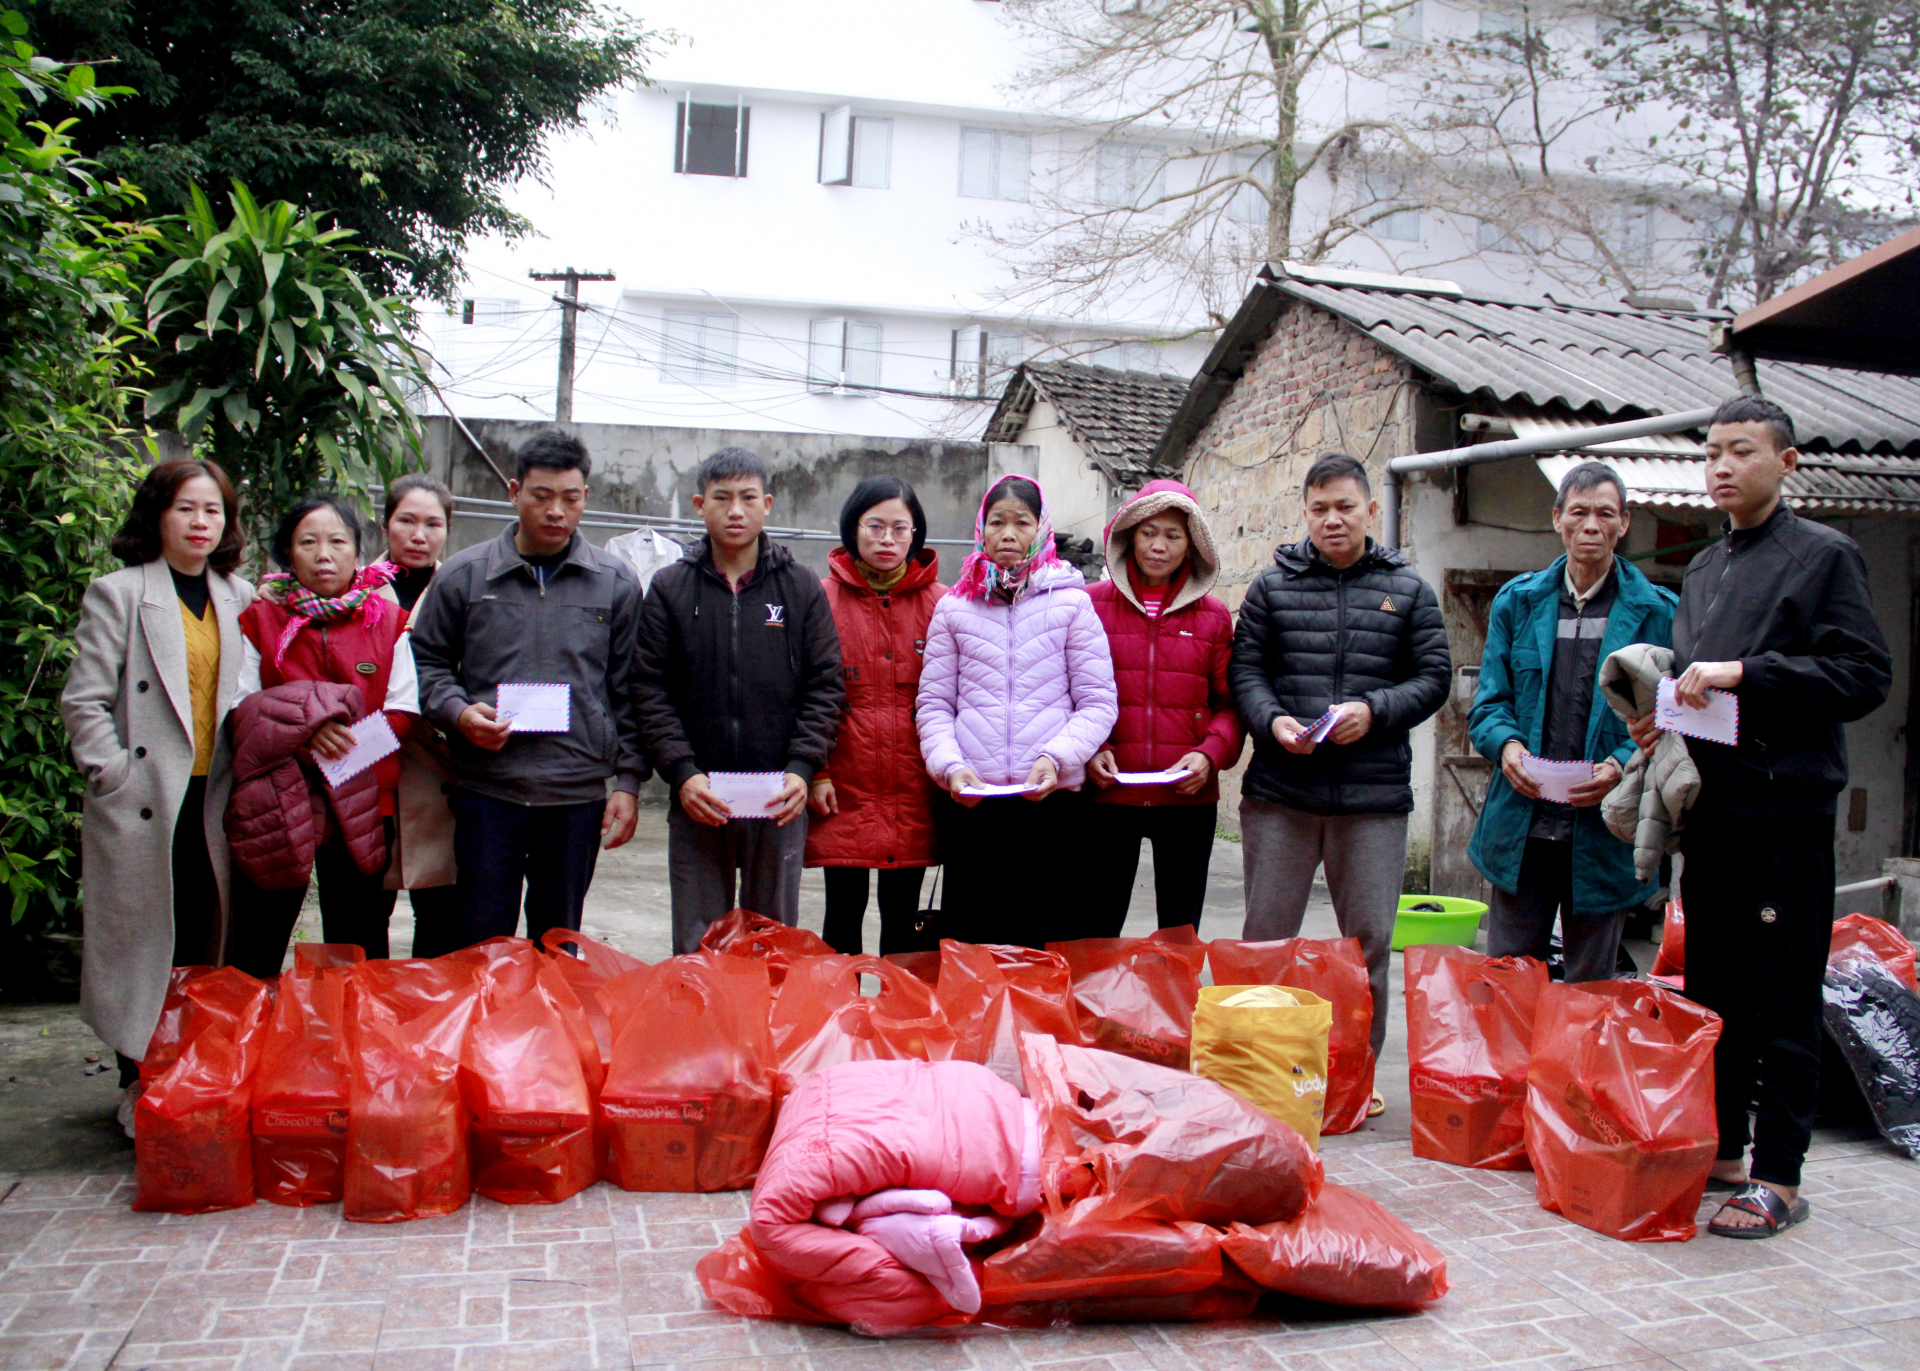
1016, 690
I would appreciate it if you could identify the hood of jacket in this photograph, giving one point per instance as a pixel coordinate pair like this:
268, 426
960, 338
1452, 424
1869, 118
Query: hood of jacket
921, 572
1203, 560
1303, 558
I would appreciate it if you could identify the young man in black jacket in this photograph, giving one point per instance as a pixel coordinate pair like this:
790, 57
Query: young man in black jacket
738, 670
1778, 612
1336, 623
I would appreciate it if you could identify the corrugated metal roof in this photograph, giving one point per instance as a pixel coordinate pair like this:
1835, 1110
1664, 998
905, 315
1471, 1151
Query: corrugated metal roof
1852, 485
1116, 416
1619, 362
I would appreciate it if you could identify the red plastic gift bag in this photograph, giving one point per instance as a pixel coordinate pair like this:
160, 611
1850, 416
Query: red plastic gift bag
737, 1277
1620, 1108
1671, 959
1335, 970
192, 1149
587, 965
745, 934
1345, 1249
1150, 1142
992, 994
532, 1111
821, 1019
1620, 1118
407, 1148
1082, 1255
163, 1048
689, 1102
300, 1091
1469, 1034
1136, 996
1878, 939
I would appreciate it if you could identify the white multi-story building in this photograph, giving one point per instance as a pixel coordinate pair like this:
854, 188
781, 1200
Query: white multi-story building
792, 216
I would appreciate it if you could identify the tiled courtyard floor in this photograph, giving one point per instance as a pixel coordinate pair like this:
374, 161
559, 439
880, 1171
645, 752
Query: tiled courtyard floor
606, 1281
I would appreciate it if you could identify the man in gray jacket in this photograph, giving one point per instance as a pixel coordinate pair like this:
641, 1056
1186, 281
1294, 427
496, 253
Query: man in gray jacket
538, 606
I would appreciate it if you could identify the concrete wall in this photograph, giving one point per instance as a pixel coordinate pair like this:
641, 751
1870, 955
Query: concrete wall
641, 469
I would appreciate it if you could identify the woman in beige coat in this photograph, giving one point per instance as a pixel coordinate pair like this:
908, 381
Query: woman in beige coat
418, 511
156, 658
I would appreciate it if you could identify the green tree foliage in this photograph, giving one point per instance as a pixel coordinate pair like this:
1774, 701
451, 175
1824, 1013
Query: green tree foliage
404, 118
65, 455
268, 350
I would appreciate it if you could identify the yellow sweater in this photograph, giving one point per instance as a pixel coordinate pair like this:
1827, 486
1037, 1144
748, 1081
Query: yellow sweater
203, 681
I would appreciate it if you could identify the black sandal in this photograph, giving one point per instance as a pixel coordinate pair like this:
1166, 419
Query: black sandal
1765, 1204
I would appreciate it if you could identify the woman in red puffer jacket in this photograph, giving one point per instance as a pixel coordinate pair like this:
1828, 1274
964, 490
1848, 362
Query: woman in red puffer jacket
873, 801
1171, 641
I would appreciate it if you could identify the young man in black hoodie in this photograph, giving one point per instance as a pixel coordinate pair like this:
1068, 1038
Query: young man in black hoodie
738, 670
1778, 612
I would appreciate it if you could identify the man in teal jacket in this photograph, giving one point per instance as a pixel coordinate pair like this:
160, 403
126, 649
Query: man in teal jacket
1539, 701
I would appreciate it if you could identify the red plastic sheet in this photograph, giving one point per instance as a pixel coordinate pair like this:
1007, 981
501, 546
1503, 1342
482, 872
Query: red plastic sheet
1345, 1249
744, 934
1336, 971
993, 994
1671, 959
1469, 1035
193, 1150
1136, 996
736, 1276
1148, 1142
1620, 1117
689, 1103
1859, 934
1082, 1255
407, 1147
300, 1090
821, 1019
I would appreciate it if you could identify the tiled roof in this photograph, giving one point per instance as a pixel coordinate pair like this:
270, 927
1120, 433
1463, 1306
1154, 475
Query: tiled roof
1116, 416
1591, 362
1822, 485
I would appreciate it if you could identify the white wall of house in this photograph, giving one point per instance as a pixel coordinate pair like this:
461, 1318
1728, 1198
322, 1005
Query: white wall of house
1077, 491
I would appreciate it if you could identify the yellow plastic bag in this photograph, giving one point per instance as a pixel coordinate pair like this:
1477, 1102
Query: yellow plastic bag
1274, 1056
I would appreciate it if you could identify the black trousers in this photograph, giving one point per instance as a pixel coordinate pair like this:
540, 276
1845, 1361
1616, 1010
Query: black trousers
1759, 898
502, 849
354, 908
1011, 869
899, 907
1182, 838
436, 919
196, 896
1521, 924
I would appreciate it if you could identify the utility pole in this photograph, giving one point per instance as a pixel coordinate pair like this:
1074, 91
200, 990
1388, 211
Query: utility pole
569, 312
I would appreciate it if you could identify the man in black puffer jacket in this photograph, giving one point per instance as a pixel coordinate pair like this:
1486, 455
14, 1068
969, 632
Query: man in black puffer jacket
1338, 624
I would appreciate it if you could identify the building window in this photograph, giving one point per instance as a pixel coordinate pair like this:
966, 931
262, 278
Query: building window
1385, 24
1489, 236
855, 149
1249, 206
700, 348
982, 359
994, 164
1390, 217
842, 353
710, 140
1130, 174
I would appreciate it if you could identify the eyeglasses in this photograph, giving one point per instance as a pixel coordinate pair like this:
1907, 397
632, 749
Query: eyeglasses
879, 532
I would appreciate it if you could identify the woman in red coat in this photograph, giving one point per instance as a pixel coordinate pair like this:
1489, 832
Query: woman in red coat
873, 802
322, 620
1171, 641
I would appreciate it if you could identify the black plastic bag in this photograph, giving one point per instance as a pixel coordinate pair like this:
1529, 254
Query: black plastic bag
1875, 1022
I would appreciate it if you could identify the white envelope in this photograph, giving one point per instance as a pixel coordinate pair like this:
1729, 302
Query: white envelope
1557, 779
1171, 774
535, 708
749, 794
1719, 722
372, 739
1013, 788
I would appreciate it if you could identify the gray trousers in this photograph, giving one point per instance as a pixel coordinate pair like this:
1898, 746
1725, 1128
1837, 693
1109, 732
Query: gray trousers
1365, 857
743, 864
1521, 924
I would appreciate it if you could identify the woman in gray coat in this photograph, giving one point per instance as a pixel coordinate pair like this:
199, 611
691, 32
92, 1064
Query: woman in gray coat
157, 655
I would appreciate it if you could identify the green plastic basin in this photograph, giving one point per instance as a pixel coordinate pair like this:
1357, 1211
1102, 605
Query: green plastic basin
1457, 924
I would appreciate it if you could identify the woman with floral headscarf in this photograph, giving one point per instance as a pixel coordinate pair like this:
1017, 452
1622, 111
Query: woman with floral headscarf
322, 649
1016, 695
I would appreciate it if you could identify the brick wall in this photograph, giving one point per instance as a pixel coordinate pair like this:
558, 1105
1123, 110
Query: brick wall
1316, 385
